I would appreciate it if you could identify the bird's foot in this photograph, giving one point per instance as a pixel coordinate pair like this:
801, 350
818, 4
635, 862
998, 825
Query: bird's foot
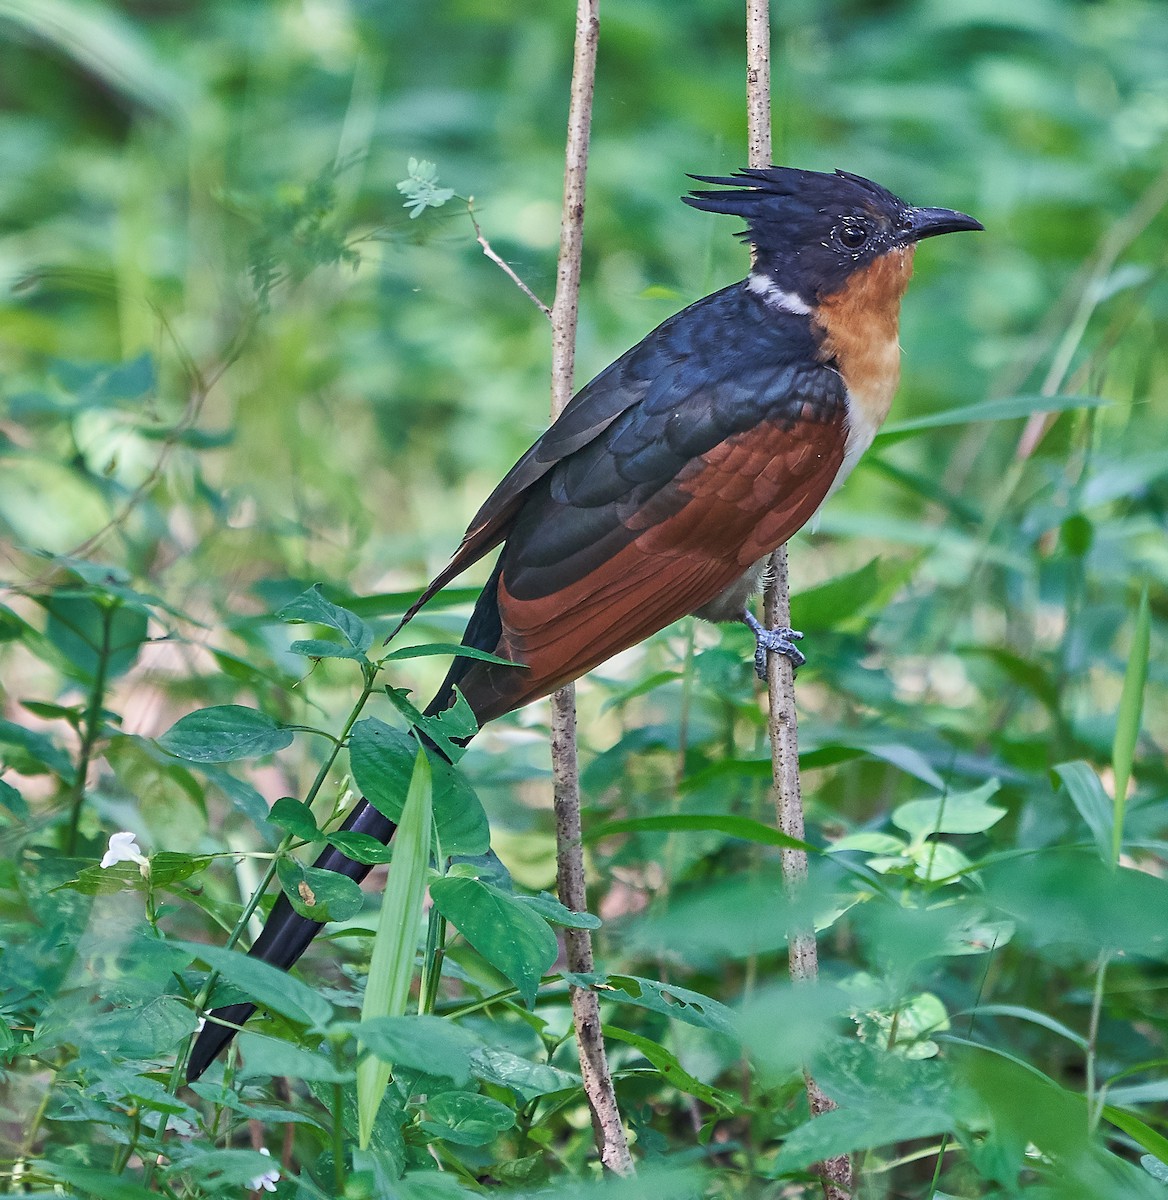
781, 641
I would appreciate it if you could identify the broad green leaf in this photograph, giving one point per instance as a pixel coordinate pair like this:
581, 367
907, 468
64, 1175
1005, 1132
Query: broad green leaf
223, 734
313, 608
318, 648
959, 812
466, 1118
91, 1182
527, 1080
430, 1044
381, 759
832, 603
265, 984
32, 753
552, 910
1093, 803
843, 1130
1127, 726
166, 868
391, 967
268, 1057
317, 894
87, 634
681, 1003
504, 930
294, 817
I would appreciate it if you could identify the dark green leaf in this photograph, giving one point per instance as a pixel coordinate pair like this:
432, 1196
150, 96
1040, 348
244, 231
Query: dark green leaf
312, 607
224, 734
382, 761
266, 1057
319, 895
466, 1118
267, 985
294, 817
506, 932
429, 1044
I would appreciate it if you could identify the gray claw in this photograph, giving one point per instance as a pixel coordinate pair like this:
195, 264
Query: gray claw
781, 641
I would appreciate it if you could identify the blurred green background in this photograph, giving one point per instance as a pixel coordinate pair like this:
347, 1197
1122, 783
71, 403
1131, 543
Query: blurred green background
233, 364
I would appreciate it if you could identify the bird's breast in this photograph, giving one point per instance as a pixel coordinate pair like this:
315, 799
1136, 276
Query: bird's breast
859, 335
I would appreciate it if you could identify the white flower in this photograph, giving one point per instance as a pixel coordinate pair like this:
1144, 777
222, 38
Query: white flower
267, 1181
123, 848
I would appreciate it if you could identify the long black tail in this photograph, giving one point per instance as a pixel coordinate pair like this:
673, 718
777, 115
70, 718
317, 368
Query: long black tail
286, 936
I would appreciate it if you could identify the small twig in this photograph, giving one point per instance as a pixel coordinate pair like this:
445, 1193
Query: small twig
506, 268
835, 1173
606, 1122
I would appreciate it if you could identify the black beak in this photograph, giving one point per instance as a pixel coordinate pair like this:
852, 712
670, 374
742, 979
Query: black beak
929, 222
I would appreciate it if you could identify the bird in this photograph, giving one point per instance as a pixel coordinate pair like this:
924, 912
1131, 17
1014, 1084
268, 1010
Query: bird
668, 480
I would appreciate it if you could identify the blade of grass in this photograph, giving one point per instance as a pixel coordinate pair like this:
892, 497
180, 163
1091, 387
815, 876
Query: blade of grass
391, 968
1127, 726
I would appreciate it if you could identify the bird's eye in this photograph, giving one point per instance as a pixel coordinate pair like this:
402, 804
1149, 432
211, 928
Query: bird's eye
851, 236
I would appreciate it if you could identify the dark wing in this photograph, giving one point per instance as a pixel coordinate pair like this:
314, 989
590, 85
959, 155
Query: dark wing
727, 452
591, 411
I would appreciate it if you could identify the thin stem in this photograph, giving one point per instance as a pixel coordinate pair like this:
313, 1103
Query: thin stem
338, 1127
93, 724
432, 962
1094, 1101
835, 1173
607, 1129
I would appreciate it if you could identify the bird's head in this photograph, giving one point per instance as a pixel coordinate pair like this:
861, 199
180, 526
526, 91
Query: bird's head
811, 231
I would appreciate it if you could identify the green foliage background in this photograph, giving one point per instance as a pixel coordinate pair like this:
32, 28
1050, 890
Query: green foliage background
234, 364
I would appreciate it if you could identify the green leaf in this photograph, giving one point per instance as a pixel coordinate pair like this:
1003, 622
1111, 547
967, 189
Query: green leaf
959, 812
1005, 409
268, 1057
32, 753
453, 649
318, 648
739, 827
265, 984
1093, 803
466, 1118
360, 847
668, 1067
294, 817
1140, 1132
552, 910
77, 628
842, 1130
830, 604
681, 1003
1127, 726
224, 733
504, 930
381, 759
312, 607
526, 1079
166, 868
319, 895
430, 1044
12, 800
391, 967
91, 1182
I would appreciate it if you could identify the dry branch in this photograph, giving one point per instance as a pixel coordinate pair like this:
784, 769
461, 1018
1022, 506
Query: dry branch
835, 1173
606, 1122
